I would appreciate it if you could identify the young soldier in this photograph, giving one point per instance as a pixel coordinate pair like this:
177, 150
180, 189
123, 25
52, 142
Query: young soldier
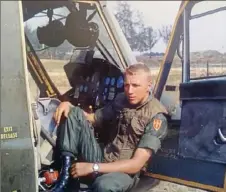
136, 126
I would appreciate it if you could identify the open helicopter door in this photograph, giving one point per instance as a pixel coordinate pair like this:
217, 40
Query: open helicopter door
202, 136
18, 164
194, 152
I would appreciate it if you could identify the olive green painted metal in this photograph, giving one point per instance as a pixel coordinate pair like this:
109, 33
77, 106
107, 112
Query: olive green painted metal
17, 159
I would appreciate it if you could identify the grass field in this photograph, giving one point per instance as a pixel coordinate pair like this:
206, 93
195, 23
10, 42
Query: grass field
56, 72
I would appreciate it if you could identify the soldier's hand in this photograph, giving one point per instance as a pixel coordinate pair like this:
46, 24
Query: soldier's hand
63, 109
81, 169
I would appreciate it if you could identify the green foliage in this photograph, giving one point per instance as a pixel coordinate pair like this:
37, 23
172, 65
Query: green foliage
165, 33
139, 36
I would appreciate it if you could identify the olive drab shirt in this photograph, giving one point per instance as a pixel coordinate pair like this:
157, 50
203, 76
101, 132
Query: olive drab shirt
129, 127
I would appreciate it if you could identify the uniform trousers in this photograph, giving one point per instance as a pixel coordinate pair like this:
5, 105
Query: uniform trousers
76, 137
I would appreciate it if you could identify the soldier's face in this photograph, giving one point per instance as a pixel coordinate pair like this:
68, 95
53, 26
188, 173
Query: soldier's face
137, 87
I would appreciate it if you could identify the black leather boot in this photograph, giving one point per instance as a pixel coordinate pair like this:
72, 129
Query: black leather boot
63, 180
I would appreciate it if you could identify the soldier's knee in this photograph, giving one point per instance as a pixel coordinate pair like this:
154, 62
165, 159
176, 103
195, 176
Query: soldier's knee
104, 186
76, 113
112, 182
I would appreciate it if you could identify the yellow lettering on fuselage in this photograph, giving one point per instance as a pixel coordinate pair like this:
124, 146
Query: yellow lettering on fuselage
8, 133
8, 136
7, 129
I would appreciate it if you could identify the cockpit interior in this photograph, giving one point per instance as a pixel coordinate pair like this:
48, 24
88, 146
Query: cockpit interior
94, 69
93, 85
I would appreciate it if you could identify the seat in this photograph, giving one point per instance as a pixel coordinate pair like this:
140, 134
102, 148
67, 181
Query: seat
203, 121
43, 110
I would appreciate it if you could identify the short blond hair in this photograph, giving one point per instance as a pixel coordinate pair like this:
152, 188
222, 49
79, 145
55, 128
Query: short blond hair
138, 67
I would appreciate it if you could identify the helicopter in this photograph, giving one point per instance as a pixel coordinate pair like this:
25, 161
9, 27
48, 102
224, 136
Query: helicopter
194, 152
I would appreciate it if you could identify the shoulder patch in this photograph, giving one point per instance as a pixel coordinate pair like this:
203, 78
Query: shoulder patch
157, 124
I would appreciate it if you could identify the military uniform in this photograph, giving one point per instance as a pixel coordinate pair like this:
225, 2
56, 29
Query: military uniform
129, 128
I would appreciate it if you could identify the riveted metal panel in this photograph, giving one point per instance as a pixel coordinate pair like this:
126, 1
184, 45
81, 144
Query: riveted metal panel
18, 168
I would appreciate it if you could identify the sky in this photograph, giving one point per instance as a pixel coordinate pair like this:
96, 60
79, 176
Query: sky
155, 14
207, 33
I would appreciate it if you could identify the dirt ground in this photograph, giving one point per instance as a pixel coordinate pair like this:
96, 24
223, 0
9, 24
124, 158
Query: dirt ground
55, 70
164, 186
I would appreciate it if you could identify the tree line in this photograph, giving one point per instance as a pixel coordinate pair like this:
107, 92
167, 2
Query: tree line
140, 37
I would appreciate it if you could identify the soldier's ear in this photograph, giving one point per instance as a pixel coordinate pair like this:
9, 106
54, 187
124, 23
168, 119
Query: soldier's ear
150, 89
149, 83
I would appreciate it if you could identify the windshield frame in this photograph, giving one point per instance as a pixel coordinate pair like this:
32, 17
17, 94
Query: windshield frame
115, 33
187, 64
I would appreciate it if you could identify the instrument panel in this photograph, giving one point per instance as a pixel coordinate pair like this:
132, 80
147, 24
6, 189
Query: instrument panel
112, 86
120, 82
97, 86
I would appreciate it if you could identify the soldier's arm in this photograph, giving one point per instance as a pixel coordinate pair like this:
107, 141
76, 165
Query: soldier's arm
155, 132
149, 144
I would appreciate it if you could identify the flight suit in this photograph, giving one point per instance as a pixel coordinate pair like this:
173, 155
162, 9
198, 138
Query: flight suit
129, 128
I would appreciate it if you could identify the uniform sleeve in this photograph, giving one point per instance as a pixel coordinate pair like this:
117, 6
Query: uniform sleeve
104, 114
154, 133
